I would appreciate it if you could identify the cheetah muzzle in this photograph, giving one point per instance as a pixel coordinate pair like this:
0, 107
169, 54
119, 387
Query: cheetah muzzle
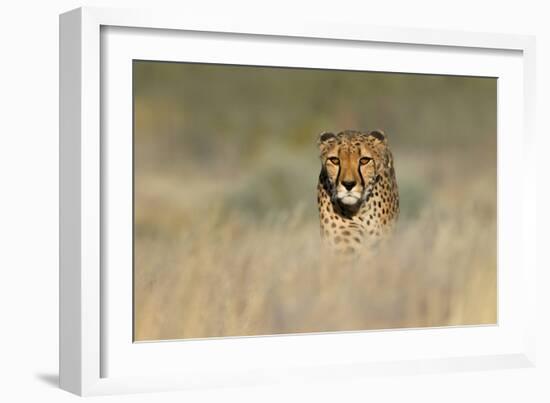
357, 191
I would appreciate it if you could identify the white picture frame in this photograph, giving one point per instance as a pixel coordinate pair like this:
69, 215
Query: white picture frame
97, 354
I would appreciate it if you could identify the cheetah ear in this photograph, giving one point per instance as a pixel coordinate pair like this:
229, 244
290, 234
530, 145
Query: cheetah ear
325, 140
325, 136
378, 134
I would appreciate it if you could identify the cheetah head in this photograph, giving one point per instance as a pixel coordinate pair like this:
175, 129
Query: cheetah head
351, 163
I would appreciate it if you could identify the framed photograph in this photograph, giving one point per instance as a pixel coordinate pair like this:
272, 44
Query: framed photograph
246, 202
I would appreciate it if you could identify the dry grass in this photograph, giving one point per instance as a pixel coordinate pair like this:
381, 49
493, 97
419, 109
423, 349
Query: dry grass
202, 270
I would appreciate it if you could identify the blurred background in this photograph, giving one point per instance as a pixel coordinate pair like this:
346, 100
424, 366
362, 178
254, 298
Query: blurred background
226, 226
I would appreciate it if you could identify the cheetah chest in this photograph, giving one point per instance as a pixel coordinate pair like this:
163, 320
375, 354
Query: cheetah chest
372, 222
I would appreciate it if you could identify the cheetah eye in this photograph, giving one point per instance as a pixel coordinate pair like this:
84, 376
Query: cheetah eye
365, 160
334, 160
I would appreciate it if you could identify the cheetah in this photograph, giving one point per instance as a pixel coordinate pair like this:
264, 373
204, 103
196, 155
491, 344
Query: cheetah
357, 191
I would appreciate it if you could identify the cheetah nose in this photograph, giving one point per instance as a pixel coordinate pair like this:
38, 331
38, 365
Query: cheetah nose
348, 184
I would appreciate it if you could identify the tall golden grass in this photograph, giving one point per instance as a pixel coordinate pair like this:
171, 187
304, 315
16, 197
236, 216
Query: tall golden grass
205, 270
